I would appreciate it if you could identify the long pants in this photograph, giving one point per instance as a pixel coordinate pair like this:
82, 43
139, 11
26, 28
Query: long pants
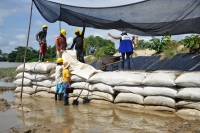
127, 58
65, 86
79, 55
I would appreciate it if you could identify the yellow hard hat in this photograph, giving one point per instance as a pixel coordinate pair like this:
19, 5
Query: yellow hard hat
59, 60
76, 30
80, 32
63, 32
44, 26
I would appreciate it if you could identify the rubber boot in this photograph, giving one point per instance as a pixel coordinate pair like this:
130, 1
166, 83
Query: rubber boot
66, 102
56, 94
59, 96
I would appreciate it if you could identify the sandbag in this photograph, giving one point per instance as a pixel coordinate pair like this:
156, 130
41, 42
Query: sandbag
23, 94
188, 104
103, 88
129, 98
159, 101
101, 96
192, 112
28, 67
189, 79
160, 91
76, 78
44, 94
43, 67
189, 93
76, 92
81, 85
47, 83
130, 89
32, 76
26, 89
117, 78
53, 76
159, 79
52, 89
26, 82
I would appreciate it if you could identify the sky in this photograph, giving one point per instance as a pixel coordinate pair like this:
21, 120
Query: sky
15, 16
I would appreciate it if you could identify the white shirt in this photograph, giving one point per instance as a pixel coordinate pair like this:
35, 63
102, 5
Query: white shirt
58, 76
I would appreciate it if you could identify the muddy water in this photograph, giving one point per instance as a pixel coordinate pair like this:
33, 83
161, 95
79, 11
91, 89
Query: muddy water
84, 118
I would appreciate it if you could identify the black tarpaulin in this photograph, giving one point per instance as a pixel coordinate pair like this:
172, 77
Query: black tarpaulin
146, 18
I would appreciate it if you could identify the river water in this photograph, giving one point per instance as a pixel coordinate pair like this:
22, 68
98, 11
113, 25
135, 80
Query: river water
7, 65
84, 118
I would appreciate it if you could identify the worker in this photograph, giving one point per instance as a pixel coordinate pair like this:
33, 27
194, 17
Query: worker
41, 38
61, 43
66, 81
78, 42
58, 79
125, 47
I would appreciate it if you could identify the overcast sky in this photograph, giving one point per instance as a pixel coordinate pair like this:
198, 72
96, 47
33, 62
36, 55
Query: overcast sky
14, 20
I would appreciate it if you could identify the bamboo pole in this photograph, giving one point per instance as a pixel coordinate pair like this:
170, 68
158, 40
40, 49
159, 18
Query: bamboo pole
26, 47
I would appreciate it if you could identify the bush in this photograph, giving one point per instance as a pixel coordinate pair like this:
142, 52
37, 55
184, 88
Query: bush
157, 44
192, 42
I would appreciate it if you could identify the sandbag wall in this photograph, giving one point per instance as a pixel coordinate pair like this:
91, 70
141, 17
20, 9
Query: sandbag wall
38, 79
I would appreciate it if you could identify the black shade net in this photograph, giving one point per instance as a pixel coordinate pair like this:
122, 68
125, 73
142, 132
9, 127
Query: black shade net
146, 18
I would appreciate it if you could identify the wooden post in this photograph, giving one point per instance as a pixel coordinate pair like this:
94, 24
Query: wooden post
26, 47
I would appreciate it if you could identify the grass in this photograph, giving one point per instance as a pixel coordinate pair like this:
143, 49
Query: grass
8, 73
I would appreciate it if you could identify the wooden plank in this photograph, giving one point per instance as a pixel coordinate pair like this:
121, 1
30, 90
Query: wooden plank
111, 63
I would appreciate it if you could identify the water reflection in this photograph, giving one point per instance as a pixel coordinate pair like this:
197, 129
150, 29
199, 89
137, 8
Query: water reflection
87, 118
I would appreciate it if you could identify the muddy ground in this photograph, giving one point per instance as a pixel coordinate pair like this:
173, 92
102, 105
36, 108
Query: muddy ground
46, 115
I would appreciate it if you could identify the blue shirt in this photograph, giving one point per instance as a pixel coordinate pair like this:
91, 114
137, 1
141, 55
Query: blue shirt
125, 44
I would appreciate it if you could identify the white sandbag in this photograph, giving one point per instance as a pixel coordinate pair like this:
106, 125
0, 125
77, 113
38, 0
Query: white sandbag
192, 112
188, 104
26, 89
130, 89
32, 76
81, 85
26, 82
76, 78
76, 92
44, 94
52, 89
189, 79
160, 91
47, 83
27, 67
129, 98
53, 76
117, 78
43, 67
103, 88
159, 101
101, 96
160, 79
41, 88
189, 93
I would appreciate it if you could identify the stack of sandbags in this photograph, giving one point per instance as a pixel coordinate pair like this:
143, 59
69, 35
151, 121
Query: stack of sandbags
104, 83
189, 93
79, 84
37, 79
160, 91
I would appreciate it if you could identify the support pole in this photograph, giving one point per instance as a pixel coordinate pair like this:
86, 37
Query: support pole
60, 25
26, 47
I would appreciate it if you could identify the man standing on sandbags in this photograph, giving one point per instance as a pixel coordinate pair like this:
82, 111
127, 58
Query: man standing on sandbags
41, 38
61, 43
78, 40
58, 79
125, 47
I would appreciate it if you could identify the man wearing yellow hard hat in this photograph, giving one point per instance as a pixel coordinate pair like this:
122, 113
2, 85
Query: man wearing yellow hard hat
58, 79
41, 38
78, 42
61, 43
